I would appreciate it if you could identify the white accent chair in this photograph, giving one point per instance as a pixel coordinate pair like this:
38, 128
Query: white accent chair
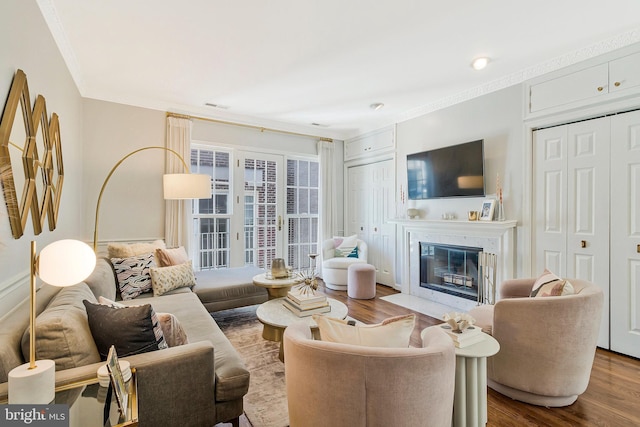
334, 269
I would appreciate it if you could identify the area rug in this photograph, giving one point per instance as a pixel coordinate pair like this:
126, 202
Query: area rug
265, 405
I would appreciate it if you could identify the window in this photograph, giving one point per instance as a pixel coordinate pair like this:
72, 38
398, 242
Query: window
211, 217
302, 211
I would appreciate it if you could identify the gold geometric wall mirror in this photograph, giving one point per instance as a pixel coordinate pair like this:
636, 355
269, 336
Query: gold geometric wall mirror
30, 159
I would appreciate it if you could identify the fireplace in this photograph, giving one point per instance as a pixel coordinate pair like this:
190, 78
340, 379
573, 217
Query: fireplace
450, 269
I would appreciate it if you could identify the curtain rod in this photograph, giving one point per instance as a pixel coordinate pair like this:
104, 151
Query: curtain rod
260, 128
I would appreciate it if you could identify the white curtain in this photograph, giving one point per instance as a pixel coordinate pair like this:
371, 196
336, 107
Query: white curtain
177, 226
328, 202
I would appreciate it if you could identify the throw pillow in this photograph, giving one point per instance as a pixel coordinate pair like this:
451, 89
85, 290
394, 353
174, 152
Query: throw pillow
133, 275
132, 330
62, 330
172, 330
347, 247
165, 279
174, 333
126, 250
394, 332
173, 256
550, 285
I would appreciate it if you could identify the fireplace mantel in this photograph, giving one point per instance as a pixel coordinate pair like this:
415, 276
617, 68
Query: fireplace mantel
493, 236
476, 228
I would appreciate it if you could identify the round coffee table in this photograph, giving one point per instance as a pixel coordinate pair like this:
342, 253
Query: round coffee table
277, 288
275, 317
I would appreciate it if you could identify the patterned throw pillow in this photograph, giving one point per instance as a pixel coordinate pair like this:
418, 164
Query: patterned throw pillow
132, 330
173, 256
394, 332
550, 285
347, 248
165, 279
133, 274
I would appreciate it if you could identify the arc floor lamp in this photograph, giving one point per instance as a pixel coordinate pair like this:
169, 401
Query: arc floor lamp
176, 186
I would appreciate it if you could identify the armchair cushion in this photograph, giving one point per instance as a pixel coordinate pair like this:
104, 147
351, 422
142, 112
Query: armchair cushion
550, 285
346, 246
394, 332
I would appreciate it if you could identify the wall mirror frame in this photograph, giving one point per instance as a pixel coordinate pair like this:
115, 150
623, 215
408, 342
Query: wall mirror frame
30, 160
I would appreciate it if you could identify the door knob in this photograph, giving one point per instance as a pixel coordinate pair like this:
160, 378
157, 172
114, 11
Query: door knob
638, 249
616, 84
600, 88
279, 223
583, 243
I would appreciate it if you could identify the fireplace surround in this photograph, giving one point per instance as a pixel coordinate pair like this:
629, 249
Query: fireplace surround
497, 237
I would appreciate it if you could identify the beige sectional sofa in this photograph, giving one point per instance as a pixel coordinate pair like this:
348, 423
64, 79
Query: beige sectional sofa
197, 384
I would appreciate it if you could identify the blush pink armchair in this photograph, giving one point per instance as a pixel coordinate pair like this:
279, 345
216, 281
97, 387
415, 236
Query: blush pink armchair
547, 345
331, 384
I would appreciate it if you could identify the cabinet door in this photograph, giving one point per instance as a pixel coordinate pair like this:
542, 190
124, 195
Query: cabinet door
573, 87
550, 196
624, 73
588, 148
383, 235
625, 234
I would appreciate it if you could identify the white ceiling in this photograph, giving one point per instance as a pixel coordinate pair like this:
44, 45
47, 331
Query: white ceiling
289, 63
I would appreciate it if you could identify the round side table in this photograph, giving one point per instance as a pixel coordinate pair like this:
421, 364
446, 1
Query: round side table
277, 288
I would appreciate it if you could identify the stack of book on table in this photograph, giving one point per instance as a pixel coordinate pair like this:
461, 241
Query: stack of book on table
305, 304
471, 335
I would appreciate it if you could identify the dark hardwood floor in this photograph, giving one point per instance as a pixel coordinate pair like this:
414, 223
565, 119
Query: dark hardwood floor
611, 399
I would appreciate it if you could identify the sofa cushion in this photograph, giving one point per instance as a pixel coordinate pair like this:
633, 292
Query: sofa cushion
133, 274
132, 330
103, 281
394, 332
232, 377
172, 256
127, 250
549, 285
62, 330
165, 279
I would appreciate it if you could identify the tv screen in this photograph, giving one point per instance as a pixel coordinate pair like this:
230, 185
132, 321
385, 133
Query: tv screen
455, 171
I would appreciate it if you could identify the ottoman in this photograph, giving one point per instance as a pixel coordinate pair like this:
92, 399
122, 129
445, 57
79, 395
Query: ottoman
361, 281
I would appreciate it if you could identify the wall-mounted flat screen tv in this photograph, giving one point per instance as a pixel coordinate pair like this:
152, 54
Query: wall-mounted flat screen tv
454, 171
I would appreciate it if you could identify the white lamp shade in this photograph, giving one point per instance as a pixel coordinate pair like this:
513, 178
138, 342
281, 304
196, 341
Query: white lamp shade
186, 186
66, 262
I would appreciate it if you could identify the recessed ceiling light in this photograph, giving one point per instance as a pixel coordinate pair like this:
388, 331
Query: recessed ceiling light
480, 63
376, 106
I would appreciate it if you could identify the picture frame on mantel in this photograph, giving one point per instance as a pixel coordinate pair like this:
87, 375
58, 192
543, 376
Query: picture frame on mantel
488, 207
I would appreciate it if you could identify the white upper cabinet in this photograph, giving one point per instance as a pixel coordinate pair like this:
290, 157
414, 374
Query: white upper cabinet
376, 142
596, 81
624, 73
570, 88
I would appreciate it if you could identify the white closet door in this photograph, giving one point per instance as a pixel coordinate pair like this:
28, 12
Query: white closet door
572, 205
371, 204
383, 234
625, 234
550, 195
588, 148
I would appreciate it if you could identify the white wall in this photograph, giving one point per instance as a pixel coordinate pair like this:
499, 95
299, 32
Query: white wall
496, 118
26, 44
132, 206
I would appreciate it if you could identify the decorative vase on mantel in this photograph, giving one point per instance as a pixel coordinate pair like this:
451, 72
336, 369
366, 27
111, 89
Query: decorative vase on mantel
500, 215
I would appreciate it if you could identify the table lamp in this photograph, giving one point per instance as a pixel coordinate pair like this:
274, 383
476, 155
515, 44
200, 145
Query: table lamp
61, 263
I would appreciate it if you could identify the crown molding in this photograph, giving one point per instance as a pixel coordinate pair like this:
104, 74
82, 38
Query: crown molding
52, 19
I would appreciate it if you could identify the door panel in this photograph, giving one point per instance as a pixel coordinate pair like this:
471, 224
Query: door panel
625, 234
550, 215
262, 202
